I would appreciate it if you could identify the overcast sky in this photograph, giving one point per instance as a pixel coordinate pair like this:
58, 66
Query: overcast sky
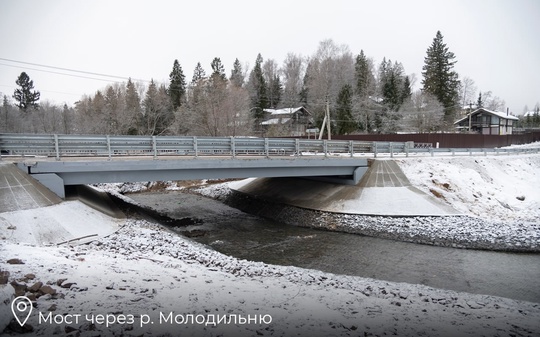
496, 43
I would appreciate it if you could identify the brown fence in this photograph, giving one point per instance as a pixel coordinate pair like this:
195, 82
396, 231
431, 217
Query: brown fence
451, 140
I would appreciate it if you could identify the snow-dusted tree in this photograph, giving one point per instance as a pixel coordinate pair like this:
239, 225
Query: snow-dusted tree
328, 70
177, 85
198, 74
26, 97
421, 112
237, 74
292, 70
439, 78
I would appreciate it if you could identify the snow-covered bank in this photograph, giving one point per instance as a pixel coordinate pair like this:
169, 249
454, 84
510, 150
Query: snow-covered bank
498, 195
144, 270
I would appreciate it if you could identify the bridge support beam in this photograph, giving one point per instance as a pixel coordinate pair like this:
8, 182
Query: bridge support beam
53, 182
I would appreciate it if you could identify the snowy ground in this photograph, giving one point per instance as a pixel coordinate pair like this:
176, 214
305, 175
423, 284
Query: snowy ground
143, 269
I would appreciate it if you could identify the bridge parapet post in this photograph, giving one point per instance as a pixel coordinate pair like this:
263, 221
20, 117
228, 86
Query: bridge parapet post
195, 148
233, 147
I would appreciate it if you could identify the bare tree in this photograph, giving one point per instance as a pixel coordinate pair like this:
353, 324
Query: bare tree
293, 72
422, 112
467, 91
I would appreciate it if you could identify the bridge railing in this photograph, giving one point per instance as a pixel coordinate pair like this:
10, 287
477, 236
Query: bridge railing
112, 146
102, 145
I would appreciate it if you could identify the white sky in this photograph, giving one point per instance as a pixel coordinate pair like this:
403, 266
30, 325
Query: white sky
496, 42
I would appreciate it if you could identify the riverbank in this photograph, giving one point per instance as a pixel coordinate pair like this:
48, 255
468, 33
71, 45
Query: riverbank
144, 269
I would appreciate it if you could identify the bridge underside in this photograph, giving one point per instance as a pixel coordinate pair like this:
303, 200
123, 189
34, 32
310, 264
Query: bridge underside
57, 174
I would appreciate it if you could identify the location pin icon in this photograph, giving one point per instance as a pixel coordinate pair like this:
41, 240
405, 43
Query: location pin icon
21, 308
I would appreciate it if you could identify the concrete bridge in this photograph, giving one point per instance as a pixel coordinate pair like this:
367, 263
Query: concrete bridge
62, 160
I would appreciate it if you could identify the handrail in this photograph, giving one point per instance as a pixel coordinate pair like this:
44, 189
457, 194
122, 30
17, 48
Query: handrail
59, 146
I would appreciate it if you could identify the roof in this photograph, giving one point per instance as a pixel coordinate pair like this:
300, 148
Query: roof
530, 113
284, 111
495, 113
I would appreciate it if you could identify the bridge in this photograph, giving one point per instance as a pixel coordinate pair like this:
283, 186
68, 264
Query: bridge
62, 160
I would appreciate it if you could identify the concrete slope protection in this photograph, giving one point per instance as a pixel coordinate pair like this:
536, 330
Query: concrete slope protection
20, 191
384, 190
31, 213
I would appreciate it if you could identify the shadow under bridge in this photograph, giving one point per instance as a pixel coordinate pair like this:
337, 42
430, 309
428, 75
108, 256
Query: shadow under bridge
57, 174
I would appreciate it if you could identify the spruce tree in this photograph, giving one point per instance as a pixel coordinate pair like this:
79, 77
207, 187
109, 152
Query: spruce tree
345, 121
198, 74
363, 76
259, 96
237, 76
439, 78
25, 97
479, 102
177, 85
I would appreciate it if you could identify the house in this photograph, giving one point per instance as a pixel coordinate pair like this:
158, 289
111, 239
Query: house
487, 122
287, 121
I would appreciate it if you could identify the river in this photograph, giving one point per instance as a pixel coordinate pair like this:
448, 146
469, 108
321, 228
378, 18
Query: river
229, 231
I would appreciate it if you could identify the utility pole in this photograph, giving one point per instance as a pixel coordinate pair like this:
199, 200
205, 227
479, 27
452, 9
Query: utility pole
326, 121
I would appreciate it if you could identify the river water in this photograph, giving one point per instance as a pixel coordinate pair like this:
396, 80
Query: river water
229, 231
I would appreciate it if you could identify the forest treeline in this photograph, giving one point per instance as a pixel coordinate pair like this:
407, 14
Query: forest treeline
363, 97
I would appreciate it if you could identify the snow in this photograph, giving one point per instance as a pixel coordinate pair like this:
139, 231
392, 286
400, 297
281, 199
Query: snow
143, 269
492, 188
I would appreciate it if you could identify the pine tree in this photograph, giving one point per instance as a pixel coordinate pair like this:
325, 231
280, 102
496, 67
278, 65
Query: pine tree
218, 70
406, 91
237, 76
198, 74
345, 121
439, 78
177, 85
25, 97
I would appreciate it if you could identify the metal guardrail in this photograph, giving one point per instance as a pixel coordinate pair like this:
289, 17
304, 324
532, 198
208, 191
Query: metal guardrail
96, 145
60, 146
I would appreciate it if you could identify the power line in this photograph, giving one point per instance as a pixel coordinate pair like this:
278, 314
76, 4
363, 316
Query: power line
68, 69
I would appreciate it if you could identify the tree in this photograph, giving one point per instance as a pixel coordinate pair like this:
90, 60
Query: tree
177, 85
439, 78
479, 101
218, 70
133, 108
258, 90
198, 74
467, 91
237, 75
158, 113
292, 70
25, 97
345, 122
363, 74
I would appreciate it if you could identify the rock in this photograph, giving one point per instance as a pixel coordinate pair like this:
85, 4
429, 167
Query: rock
35, 287
52, 308
521, 198
4, 277
67, 285
15, 261
30, 276
17, 328
47, 290
70, 329
20, 289
60, 281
